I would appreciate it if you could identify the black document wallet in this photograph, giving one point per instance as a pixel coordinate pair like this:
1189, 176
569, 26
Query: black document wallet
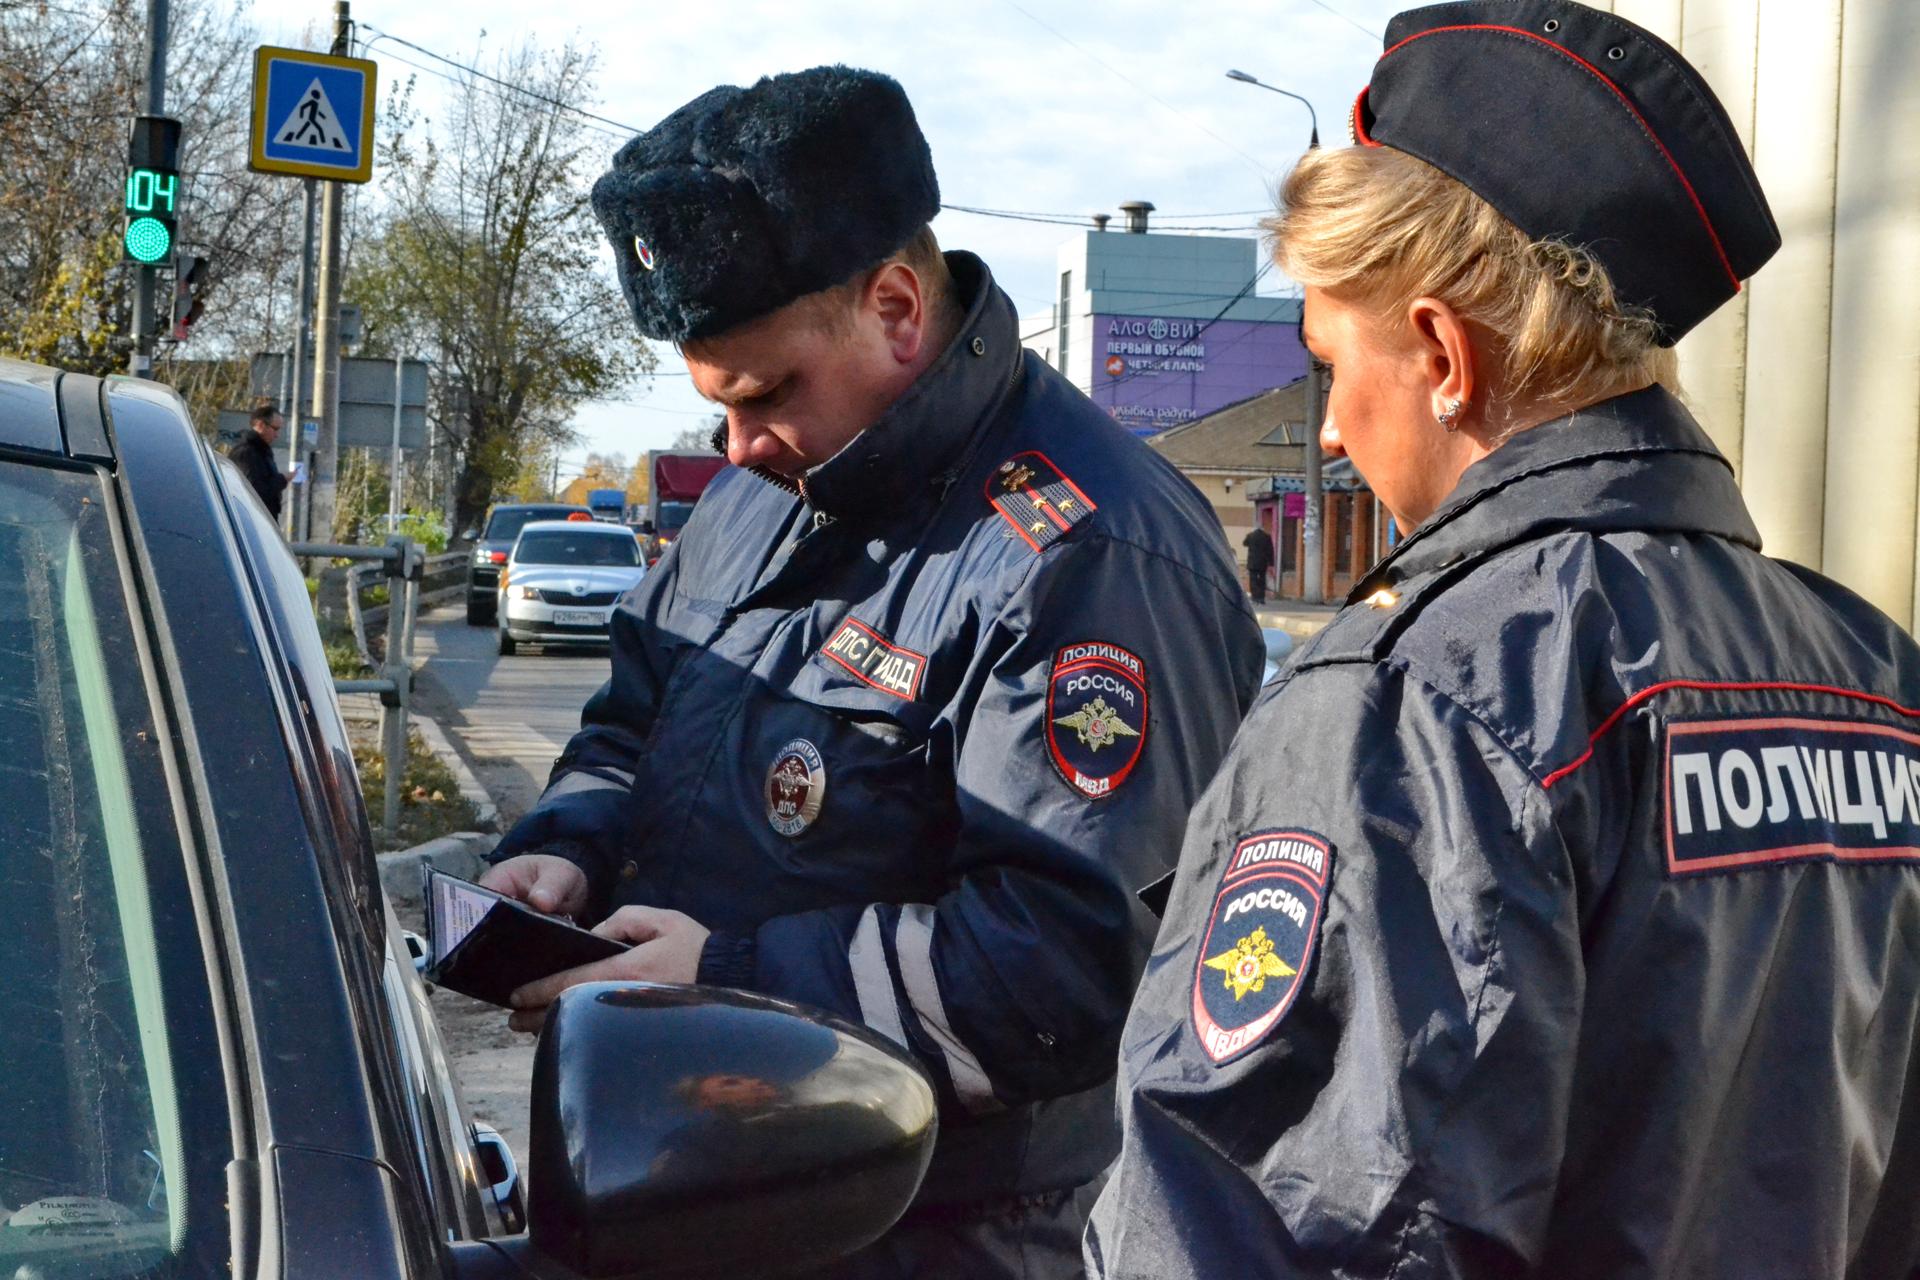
487, 946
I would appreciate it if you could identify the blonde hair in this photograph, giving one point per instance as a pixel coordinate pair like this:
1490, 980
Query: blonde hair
1382, 228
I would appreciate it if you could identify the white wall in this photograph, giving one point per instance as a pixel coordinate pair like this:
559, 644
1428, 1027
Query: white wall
1810, 380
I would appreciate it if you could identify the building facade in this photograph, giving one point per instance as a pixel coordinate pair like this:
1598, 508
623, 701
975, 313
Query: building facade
1163, 328
1809, 381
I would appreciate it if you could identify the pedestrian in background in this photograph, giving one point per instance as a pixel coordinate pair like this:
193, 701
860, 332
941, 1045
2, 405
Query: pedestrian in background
1259, 545
253, 454
1556, 914
879, 736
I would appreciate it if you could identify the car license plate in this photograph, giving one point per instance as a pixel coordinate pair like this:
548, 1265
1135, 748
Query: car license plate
578, 617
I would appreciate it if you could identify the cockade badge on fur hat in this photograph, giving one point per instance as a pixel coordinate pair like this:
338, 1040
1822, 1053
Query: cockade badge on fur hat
747, 199
1581, 127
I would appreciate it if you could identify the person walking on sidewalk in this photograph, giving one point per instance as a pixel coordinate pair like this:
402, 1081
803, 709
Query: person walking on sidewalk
889, 731
1259, 545
253, 454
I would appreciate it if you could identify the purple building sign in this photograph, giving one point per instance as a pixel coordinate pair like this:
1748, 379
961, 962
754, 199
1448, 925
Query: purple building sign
1155, 372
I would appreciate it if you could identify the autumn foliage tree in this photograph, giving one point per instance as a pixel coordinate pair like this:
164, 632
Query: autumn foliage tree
71, 77
489, 262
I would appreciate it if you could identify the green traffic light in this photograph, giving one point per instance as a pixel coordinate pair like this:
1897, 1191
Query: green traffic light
148, 240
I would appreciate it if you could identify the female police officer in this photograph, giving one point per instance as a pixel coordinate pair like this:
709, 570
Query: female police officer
1555, 915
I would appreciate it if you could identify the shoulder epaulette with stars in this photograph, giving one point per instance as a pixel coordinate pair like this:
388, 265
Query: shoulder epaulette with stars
1033, 496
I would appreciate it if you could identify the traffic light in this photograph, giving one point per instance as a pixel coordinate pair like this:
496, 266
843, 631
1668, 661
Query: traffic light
153, 188
189, 275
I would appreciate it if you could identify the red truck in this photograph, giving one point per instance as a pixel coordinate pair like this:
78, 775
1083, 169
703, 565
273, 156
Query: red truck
679, 477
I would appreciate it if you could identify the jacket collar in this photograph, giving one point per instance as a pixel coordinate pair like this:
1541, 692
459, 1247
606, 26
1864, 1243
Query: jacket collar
1638, 461
924, 440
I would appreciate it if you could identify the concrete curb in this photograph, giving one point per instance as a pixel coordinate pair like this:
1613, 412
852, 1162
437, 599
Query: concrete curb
476, 795
460, 854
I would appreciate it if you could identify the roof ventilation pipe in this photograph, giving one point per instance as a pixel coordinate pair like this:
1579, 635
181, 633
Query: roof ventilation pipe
1137, 211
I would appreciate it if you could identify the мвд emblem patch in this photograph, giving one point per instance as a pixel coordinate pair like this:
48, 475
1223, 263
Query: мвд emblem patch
796, 787
1259, 939
1096, 716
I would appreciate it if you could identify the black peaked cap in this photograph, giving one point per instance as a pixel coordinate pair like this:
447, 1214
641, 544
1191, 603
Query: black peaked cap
1581, 127
746, 199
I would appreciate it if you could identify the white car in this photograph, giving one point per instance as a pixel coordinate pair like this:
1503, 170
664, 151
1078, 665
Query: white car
1279, 649
562, 580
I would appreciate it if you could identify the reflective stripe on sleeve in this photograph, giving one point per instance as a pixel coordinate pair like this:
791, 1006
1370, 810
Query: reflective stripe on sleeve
913, 942
581, 780
872, 983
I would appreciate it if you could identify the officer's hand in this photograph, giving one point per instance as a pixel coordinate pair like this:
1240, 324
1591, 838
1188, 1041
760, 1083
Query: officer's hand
542, 881
666, 948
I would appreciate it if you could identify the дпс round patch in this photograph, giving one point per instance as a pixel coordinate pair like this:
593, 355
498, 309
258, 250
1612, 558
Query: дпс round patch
1259, 939
1096, 716
796, 787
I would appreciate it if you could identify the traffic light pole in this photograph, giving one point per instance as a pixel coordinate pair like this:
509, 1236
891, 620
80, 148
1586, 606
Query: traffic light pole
326, 355
140, 362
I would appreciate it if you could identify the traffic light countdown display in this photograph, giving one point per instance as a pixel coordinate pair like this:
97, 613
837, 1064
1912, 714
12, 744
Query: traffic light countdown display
151, 197
153, 189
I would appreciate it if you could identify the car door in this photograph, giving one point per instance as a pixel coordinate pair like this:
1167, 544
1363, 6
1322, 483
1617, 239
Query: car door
124, 1126
427, 1112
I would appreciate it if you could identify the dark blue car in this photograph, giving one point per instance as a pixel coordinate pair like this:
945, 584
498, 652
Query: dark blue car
216, 1057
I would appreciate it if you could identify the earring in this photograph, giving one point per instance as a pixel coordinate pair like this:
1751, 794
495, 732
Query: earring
1448, 418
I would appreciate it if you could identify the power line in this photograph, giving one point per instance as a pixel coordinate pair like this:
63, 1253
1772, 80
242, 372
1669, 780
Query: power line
1138, 88
628, 130
458, 83
1044, 213
1349, 21
1069, 220
505, 84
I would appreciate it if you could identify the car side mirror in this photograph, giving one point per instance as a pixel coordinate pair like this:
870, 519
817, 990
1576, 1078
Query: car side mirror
471, 535
683, 1131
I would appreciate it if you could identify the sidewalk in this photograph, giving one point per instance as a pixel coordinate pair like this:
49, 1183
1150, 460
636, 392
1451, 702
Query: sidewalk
1296, 618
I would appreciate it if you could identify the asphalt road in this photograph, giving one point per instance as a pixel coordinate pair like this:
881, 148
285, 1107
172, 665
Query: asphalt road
509, 717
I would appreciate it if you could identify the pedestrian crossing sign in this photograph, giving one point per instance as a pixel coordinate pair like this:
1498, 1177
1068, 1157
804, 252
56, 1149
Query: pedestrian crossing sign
312, 115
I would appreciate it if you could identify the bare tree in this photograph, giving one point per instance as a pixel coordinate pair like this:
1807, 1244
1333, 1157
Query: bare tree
490, 260
71, 78
702, 436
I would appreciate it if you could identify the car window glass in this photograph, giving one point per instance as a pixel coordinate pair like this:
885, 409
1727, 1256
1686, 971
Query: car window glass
504, 525
674, 516
91, 1132
590, 549
291, 612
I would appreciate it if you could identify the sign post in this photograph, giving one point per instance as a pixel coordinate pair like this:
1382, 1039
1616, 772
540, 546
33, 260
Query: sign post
313, 118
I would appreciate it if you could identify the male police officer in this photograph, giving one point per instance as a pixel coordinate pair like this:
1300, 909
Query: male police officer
921, 696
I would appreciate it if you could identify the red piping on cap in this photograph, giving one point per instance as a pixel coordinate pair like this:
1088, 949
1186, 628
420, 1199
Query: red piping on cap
1358, 119
1729, 686
1625, 101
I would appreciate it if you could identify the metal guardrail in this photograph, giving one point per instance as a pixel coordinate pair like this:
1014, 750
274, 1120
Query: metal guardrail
450, 565
404, 566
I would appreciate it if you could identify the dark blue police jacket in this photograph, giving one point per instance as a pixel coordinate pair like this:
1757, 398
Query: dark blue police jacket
910, 741
1555, 915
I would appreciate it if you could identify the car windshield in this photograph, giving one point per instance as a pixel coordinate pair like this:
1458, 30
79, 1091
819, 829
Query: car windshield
674, 515
585, 547
504, 525
95, 1127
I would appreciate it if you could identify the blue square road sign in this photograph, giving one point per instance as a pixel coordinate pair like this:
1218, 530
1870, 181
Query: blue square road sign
312, 115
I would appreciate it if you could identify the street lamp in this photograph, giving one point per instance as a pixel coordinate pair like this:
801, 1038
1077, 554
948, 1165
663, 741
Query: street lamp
1312, 553
1244, 78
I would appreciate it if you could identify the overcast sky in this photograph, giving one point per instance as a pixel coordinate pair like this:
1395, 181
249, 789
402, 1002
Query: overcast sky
1051, 106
